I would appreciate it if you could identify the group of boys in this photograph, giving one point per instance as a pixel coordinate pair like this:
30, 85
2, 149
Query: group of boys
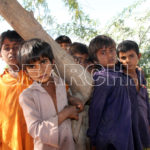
119, 111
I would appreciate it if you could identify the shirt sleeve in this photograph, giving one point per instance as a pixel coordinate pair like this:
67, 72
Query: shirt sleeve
45, 130
99, 98
147, 97
148, 106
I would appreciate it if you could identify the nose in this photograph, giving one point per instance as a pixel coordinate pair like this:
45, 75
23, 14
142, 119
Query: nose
42, 68
110, 55
127, 60
11, 50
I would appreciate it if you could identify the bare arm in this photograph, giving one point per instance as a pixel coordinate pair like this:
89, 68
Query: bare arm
68, 112
75, 102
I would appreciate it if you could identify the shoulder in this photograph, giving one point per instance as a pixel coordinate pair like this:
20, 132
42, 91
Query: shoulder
30, 92
141, 75
106, 76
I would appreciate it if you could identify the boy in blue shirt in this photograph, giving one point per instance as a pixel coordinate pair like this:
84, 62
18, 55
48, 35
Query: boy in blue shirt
110, 123
128, 53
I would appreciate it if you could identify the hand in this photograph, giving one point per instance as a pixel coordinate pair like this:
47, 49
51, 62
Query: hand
76, 102
72, 112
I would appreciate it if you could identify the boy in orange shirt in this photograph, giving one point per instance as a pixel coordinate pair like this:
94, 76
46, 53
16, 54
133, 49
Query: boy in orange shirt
13, 131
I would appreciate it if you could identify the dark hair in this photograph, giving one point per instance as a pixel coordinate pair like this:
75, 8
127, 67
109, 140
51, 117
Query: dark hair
128, 45
32, 50
78, 48
11, 35
63, 39
99, 42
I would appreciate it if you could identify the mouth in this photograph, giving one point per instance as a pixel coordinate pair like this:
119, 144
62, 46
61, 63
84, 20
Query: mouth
42, 77
12, 58
112, 61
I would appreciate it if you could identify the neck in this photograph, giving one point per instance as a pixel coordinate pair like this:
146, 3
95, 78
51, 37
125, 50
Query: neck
48, 83
130, 71
14, 68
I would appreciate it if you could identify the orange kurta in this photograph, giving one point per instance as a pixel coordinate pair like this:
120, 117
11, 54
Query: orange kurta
13, 130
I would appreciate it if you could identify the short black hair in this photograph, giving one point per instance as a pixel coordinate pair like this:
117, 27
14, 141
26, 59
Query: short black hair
12, 35
128, 45
32, 50
99, 42
77, 47
63, 39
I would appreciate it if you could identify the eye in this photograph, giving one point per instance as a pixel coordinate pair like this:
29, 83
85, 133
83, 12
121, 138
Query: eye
123, 58
6, 48
15, 48
44, 61
131, 56
31, 66
103, 52
76, 59
112, 50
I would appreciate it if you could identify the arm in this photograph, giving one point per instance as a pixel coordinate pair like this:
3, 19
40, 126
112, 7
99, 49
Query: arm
45, 130
68, 112
96, 108
148, 106
147, 96
75, 102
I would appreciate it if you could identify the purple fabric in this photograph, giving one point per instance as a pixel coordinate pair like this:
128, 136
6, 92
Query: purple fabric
110, 112
143, 112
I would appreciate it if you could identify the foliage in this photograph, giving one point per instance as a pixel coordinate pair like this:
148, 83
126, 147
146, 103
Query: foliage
41, 12
80, 25
130, 24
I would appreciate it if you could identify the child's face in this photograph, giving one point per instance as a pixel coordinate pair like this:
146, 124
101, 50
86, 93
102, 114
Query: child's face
107, 56
65, 46
9, 51
129, 59
40, 70
80, 58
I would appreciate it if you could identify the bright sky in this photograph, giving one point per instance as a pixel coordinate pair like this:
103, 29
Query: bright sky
101, 10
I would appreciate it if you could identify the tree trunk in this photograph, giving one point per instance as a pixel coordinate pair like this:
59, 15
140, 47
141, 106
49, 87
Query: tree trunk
25, 24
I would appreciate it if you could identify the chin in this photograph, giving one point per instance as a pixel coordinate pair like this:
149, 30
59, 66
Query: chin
110, 65
44, 80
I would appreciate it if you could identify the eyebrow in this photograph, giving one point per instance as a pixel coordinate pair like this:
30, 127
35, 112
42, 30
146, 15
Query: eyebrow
12, 44
6, 44
43, 59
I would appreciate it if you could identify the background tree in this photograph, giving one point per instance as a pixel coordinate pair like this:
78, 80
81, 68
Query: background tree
129, 24
134, 25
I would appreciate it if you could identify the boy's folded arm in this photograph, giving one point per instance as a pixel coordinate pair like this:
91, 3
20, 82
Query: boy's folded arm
45, 130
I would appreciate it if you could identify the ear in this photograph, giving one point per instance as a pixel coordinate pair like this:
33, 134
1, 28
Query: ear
53, 62
139, 56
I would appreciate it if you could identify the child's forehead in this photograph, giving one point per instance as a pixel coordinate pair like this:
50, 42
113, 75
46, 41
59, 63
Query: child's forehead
79, 54
38, 59
130, 51
10, 42
104, 47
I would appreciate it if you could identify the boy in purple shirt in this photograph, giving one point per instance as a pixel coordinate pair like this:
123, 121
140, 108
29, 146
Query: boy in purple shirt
110, 123
128, 53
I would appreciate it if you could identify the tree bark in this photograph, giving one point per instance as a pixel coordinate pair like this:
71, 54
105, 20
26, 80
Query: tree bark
25, 24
